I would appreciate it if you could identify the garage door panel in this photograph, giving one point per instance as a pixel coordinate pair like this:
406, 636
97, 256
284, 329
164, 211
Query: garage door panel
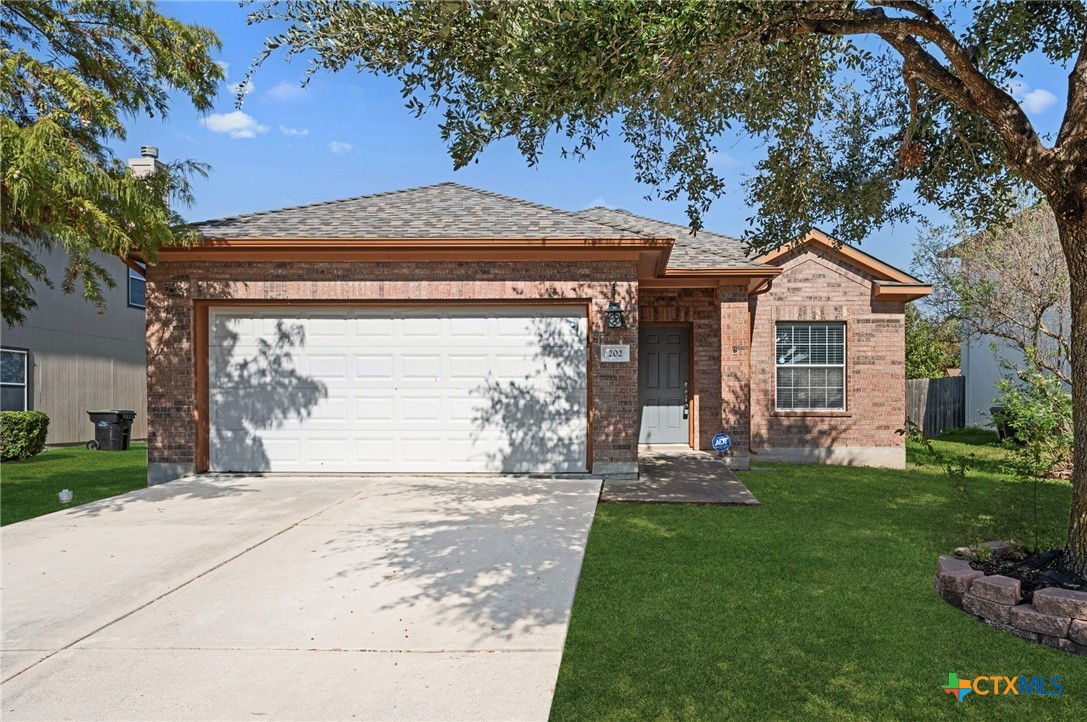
373, 328
464, 409
236, 450
422, 327
422, 366
372, 407
327, 451
273, 408
380, 367
421, 389
470, 328
422, 405
321, 330
325, 366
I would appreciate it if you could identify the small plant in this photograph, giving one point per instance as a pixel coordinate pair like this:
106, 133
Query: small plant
1038, 411
955, 469
22, 434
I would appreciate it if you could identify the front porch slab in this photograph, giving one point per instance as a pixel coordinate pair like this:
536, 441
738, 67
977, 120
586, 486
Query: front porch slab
679, 475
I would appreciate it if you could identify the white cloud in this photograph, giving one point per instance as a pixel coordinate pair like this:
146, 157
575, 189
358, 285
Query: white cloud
598, 202
721, 159
236, 124
339, 148
235, 87
224, 65
1037, 100
293, 131
284, 90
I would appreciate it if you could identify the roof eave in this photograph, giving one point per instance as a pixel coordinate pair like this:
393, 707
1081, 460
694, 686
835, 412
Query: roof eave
654, 251
891, 291
726, 272
857, 257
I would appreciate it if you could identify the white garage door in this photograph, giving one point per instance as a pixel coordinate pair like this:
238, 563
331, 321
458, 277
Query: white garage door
414, 389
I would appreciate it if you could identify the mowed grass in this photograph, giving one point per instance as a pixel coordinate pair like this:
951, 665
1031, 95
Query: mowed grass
29, 488
816, 605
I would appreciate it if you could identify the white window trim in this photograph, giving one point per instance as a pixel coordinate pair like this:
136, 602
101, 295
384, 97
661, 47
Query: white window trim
26, 375
845, 375
128, 289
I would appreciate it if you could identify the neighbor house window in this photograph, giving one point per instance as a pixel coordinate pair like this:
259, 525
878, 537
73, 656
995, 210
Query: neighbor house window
13, 380
137, 288
810, 363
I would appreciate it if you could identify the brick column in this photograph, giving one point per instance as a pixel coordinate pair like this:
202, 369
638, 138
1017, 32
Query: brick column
615, 387
171, 431
735, 380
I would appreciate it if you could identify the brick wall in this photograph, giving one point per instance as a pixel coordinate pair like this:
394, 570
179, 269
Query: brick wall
816, 286
172, 289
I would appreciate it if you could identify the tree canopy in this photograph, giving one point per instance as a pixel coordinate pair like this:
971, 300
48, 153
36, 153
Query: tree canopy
70, 74
844, 122
932, 345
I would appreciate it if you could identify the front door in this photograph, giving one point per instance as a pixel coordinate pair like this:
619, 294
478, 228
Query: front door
664, 384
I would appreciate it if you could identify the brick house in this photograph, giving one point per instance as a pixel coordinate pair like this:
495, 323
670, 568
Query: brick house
449, 329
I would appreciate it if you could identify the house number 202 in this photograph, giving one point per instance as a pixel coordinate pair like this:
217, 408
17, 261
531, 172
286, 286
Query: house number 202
613, 353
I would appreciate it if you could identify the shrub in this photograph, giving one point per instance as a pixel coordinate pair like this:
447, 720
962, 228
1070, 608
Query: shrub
1038, 413
22, 434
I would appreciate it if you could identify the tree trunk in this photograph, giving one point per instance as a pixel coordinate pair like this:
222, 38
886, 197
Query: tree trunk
1072, 227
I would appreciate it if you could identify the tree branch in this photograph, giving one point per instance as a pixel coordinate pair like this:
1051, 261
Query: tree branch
966, 87
1074, 124
910, 6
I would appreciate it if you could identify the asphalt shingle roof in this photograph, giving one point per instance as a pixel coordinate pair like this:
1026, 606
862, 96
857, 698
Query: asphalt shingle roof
705, 250
445, 210
454, 211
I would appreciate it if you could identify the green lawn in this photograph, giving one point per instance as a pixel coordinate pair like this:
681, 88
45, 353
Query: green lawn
817, 604
29, 488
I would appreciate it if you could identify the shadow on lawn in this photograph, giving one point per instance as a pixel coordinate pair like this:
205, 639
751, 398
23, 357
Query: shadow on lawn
499, 558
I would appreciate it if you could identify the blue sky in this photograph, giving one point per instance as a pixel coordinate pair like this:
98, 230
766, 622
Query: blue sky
349, 134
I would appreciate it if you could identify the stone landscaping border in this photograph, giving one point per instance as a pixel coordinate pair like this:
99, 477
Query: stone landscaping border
1056, 617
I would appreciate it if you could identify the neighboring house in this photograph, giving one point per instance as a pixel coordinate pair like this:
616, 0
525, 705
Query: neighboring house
985, 361
980, 364
68, 359
448, 329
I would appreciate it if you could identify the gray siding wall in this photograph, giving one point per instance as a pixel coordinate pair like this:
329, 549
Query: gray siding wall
981, 367
80, 360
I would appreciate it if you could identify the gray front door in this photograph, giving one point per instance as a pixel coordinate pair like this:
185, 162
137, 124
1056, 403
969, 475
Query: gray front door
664, 384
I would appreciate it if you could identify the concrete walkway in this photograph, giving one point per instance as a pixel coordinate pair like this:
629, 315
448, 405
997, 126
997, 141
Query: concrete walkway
679, 475
312, 598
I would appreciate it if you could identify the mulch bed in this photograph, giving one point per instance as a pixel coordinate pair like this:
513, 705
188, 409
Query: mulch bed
1034, 572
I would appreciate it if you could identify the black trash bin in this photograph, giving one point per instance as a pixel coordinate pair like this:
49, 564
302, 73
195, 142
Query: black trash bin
999, 415
112, 429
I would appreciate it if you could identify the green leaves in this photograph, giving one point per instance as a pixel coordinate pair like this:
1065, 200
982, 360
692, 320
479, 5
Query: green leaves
1038, 411
679, 78
70, 72
932, 346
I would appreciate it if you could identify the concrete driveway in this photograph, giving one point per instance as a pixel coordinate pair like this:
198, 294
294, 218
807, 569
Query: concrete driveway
245, 598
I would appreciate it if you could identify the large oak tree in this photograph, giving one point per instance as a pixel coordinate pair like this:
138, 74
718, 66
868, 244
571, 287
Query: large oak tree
854, 101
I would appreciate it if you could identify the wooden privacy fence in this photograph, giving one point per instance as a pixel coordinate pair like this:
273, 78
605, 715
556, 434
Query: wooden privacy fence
936, 405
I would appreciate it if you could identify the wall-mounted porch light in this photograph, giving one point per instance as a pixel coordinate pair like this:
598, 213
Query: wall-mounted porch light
615, 311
